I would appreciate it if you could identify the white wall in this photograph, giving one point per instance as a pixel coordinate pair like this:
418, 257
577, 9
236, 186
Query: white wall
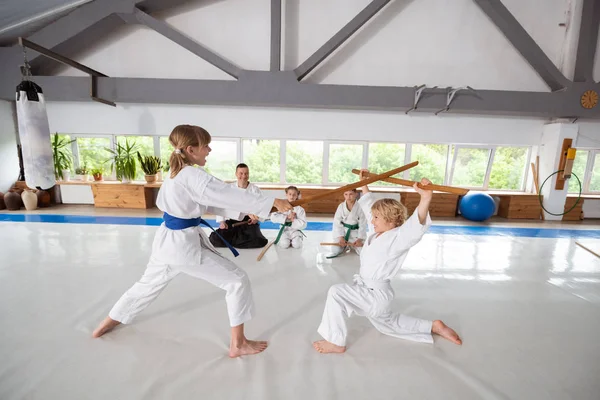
9, 159
94, 118
411, 42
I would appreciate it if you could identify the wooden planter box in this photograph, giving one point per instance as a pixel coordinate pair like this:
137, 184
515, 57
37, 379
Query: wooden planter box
122, 195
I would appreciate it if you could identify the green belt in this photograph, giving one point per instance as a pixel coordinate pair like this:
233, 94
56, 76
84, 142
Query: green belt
350, 228
346, 237
288, 223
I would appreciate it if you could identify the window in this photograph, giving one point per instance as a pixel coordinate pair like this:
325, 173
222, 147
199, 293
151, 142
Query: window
579, 164
304, 162
165, 150
508, 168
263, 159
595, 179
342, 159
222, 160
92, 152
432, 162
470, 166
144, 144
384, 157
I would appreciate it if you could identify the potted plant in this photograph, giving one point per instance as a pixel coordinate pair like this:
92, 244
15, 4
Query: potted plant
97, 174
150, 165
61, 155
83, 171
123, 161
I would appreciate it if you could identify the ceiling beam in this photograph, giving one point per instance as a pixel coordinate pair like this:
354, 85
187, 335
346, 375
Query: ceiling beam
275, 35
186, 42
267, 89
524, 43
339, 38
588, 40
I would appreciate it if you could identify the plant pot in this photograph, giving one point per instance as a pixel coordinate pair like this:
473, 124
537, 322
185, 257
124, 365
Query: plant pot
126, 180
66, 176
151, 178
13, 201
43, 198
85, 177
97, 177
30, 200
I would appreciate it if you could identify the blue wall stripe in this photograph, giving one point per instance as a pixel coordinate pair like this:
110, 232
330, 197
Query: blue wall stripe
312, 226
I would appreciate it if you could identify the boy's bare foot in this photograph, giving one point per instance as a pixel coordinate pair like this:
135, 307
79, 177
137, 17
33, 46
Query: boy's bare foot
324, 347
246, 348
440, 328
105, 326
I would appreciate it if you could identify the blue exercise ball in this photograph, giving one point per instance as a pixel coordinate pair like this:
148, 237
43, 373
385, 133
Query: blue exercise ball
477, 206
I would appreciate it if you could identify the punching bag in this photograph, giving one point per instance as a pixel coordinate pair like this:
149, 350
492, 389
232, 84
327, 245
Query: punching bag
34, 133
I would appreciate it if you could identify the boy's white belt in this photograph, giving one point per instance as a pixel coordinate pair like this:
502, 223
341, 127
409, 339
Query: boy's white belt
381, 285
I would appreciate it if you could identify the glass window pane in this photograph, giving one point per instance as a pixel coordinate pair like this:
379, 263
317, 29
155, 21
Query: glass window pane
145, 145
432, 160
342, 159
304, 162
385, 156
222, 160
508, 169
165, 150
263, 159
470, 167
93, 153
579, 165
595, 182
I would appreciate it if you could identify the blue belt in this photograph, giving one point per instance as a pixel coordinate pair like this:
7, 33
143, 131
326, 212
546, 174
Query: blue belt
178, 224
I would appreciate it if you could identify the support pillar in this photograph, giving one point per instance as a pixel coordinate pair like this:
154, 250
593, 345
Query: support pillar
550, 151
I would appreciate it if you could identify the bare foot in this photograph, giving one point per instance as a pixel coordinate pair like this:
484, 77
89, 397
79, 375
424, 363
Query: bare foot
105, 326
440, 328
248, 347
324, 347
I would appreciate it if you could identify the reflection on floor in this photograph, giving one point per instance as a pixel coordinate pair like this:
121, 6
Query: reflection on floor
527, 308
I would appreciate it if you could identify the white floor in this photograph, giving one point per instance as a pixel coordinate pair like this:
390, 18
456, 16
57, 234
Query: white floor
528, 310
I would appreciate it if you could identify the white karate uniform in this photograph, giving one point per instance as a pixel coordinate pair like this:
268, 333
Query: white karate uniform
350, 217
291, 235
371, 294
251, 188
192, 193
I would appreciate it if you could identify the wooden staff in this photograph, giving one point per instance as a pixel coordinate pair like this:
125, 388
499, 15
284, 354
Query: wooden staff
337, 244
537, 187
585, 248
405, 182
371, 179
262, 253
240, 223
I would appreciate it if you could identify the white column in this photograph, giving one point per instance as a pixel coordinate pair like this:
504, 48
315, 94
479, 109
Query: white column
550, 149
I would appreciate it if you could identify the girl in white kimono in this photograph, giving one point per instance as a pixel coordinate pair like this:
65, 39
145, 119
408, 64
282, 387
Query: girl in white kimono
181, 246
292, 222
371, 294
349, 225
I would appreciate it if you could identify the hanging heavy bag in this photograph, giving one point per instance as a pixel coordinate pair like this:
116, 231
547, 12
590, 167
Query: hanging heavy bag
34, 134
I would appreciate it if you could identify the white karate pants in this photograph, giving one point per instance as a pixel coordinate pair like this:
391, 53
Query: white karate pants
338, 249
343, 300
213, 268
288, 239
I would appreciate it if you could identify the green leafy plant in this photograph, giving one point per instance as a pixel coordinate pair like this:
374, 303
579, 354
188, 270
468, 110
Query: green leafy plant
150, 164
61, 154
82, 170
97, 171
123, 160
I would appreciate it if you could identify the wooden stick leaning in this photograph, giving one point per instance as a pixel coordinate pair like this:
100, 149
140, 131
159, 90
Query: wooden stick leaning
337, 244
585, 248
262, 253
537, 187
405, 182
371, 179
